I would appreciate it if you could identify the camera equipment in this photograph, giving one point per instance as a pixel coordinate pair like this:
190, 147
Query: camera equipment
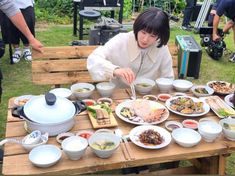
104, 29
214, 49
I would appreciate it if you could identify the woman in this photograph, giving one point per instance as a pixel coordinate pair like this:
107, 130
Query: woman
139, 53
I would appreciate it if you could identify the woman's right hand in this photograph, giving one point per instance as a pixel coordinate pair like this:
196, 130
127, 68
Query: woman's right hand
126, 73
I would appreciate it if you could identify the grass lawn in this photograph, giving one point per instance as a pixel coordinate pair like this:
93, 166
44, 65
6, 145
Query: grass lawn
17, 77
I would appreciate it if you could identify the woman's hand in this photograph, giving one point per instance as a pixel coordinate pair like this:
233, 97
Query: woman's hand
126, 73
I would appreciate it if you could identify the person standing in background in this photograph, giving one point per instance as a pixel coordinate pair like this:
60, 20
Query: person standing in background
188, 11
10, 9
27, 9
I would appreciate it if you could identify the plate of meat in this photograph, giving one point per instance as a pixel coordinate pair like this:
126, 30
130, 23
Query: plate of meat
142, 112
150, 137
187, 106
221, 87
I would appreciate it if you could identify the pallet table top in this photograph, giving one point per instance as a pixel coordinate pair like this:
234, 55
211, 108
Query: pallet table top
16, 160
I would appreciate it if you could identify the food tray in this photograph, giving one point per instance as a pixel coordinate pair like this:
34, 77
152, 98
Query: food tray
220, 108
96, 125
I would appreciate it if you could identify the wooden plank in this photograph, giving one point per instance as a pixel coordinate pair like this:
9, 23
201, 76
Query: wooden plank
61, 78
64, 52
59, 65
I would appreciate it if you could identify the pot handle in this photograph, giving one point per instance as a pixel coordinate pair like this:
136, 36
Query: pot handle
80, 106
18, 112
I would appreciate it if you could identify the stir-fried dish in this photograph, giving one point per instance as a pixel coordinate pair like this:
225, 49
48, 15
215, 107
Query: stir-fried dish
186, 105
150, 137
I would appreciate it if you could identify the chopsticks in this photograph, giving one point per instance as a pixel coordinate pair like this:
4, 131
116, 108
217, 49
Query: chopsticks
133, 91
128, 148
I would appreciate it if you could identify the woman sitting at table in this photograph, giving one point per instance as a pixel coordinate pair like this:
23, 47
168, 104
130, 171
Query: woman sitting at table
142, 52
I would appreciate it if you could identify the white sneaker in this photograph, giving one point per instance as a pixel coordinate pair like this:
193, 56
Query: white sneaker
16, 56
27, 55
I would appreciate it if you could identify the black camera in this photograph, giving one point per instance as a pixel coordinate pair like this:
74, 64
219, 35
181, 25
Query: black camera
214, 49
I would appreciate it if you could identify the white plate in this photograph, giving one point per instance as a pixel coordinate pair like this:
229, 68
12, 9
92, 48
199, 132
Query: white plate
135, 132
205, 106
226, 99
153, 104
21, 100
45, 155
222, 93
62, 92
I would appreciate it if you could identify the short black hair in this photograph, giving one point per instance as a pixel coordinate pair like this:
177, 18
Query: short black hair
154, 21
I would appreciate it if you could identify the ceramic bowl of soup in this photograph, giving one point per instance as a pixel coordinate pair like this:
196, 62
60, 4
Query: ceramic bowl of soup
104, 144
144, 85
82, 90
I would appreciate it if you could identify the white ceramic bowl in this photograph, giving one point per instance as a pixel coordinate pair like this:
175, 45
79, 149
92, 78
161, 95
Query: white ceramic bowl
74, 147
229, 133
45, 155
105, 88
101, 138
197, 91
82, 90
144, 85
164, 84
186, 137
209, 130
61, 92
182, 85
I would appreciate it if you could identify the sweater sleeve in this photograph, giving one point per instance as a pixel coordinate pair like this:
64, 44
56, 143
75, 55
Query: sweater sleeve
9, 8
99, 62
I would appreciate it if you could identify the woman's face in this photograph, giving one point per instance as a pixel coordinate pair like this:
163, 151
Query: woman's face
145, 39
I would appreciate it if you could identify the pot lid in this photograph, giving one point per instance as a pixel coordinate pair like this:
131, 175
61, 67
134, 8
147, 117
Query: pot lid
49, 109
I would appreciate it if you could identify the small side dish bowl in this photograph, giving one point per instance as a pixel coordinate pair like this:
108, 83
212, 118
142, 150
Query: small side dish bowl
105, 100
89, 102
163, 97
62, 136
202, 91
82, 90
189, 123
144, 85
74, 147
104, 144
209, 130
182, 85
21, 100
105, 88
150, 97
186, 137
85, 133
164, 84
228, 126
172, 125
45, 155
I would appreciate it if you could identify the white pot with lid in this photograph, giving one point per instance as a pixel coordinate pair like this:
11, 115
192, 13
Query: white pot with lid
49, 113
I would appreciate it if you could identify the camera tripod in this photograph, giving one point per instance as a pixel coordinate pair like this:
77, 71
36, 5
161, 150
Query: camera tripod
202, 14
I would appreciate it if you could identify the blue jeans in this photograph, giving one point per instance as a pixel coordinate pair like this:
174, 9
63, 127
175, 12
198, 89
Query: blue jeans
188, 11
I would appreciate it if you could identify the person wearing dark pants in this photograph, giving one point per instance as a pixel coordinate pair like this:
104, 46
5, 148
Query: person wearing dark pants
188, 11
225, 7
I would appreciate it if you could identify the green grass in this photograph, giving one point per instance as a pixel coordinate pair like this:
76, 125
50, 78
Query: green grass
17, 77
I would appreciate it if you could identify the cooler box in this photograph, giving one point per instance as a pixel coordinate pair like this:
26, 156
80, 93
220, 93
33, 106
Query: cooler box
189, 56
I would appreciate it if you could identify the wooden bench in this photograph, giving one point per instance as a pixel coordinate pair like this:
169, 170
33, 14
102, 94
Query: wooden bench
67, 65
